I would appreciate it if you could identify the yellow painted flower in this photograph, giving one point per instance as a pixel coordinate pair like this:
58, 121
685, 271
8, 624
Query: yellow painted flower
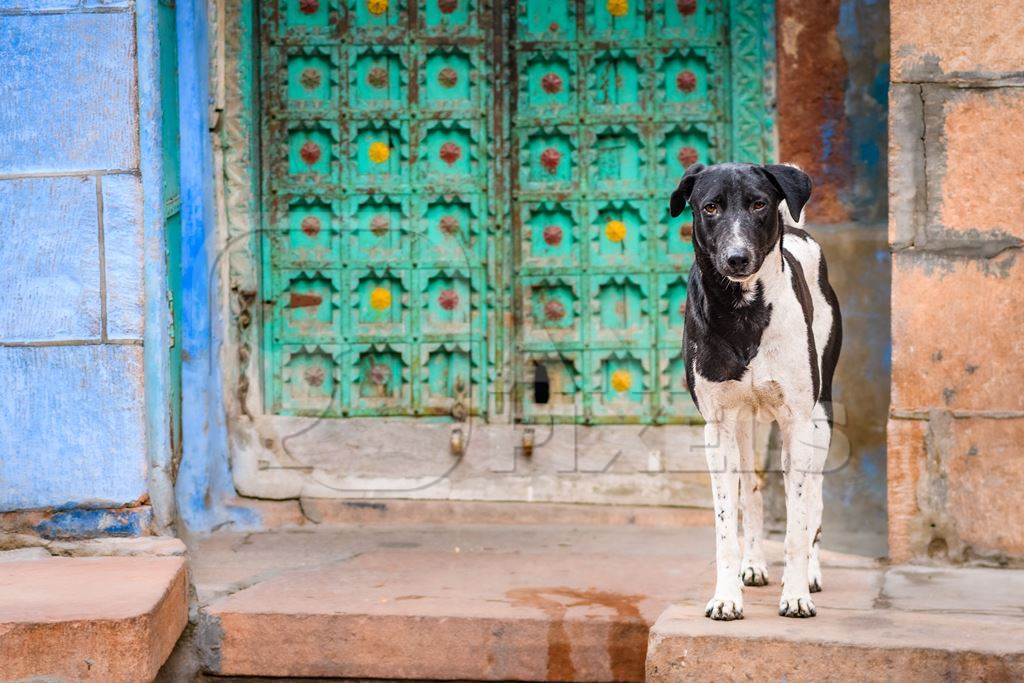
615, 231
618, 8
621, 380
380, 299
377, 6
379, 152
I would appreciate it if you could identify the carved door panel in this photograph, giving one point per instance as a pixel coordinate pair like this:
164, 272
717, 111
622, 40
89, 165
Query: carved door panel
615, 98
420, 206
377, 188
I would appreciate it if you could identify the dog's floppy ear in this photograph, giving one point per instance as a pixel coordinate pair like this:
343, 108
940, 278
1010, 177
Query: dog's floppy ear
793, 184
681, 195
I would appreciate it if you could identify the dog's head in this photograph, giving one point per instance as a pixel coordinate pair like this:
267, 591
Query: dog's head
736, 211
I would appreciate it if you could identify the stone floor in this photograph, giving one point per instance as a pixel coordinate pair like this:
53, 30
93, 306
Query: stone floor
574, 601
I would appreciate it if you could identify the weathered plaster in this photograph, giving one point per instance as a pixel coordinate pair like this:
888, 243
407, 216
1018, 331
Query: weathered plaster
73, 421
832, 86
49, 260
984, 132
41, 6
72, 428
92, 523
91, 122
123, 255
957, 40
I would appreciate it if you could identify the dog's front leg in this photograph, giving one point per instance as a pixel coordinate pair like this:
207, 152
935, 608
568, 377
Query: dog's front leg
754, 570
723, 465
803, 479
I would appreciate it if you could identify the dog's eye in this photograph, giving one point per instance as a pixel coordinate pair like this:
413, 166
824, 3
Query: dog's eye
711, 209
758, 205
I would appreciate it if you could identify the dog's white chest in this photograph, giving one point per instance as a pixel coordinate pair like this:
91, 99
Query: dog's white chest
778, 377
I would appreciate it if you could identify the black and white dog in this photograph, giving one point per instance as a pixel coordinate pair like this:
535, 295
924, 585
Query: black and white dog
763, 332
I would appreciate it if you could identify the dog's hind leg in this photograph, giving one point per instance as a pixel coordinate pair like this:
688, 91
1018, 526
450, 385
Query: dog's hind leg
723, 465
754, 567
814, 503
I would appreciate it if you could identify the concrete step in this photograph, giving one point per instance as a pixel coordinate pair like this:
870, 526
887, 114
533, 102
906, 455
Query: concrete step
90, 618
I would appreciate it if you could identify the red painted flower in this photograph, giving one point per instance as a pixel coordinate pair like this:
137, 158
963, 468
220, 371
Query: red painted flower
379, 224
448, 299
311, 226
377, 77
447, 6
450, 153
379, 374
554, 310
687, 156
686, 7
686, 81
551, 83
310, 152
315, 376
552, 235
686, 230
448, 77
554, 27
550, 158
309, 6
310, 78
449, 225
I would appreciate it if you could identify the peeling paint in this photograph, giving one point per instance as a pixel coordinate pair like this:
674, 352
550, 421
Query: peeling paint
95, 523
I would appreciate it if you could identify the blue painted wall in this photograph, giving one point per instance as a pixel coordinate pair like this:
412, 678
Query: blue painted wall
73, 412
204, 489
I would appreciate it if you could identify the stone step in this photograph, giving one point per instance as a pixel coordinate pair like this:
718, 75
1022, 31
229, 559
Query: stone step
837, 645
90, 618
420, 615
586, 603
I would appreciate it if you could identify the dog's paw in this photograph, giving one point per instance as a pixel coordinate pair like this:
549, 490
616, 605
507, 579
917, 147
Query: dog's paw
796, 606
724, 609
754, 574
814, 576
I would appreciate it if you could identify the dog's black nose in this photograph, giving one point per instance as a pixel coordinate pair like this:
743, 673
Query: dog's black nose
738, 260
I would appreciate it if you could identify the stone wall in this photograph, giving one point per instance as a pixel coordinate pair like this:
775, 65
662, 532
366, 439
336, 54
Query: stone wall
956, 223
72, 410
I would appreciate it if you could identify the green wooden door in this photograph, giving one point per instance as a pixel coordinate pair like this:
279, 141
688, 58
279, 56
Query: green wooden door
421, 206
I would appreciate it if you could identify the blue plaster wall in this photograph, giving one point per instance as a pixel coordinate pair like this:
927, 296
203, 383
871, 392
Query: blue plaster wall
204, 490
72, 406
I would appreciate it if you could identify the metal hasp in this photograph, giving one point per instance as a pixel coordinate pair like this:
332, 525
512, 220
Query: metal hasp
422, 208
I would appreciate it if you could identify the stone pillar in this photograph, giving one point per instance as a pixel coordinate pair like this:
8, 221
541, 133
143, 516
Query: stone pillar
956, 223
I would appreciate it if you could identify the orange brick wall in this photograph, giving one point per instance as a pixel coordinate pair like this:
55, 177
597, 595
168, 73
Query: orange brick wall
956, 226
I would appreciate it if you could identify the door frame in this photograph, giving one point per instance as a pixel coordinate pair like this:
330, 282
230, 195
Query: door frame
611, 463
